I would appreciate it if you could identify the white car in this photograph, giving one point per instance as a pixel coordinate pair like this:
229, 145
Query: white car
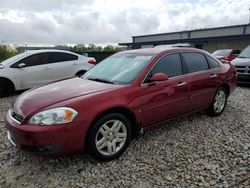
38, 67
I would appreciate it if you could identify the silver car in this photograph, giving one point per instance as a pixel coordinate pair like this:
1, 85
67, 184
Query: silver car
242, 64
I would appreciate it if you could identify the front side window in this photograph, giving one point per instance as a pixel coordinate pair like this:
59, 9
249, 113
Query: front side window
121, 68
33, 60
169, 64
195, 62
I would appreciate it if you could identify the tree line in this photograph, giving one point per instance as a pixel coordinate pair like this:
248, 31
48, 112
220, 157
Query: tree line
81, 48
6, 52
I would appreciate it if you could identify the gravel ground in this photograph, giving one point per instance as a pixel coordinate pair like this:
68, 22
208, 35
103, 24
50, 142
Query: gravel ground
196, 151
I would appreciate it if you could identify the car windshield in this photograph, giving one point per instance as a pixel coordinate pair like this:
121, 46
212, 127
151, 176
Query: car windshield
223, 53
121, 68
14, 58
245, 53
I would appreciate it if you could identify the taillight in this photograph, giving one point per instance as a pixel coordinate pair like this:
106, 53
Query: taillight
92, 61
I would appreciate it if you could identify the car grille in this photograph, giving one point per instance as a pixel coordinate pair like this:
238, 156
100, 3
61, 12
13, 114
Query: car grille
243, 69
16, 117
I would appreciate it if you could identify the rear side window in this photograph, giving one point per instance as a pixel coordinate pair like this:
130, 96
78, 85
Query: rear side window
56, 57
195, 62
33, 60
213, 63
170, 65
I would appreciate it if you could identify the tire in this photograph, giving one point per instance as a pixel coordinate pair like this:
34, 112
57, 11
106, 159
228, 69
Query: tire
219, 102
109, 137
80, 74
6, 88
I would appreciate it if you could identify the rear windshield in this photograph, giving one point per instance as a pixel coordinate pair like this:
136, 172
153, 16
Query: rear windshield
222, 53
245, 53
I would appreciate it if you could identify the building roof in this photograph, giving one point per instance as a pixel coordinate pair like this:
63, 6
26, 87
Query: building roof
204, 29
206, 34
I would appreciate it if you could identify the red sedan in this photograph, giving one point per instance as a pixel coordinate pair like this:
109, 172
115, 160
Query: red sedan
128, 92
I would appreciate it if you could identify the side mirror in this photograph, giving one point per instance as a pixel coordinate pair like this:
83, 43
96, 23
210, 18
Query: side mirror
157, 77
21, 65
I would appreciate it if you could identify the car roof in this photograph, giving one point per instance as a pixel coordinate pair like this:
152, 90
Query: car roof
31, 52
163, 49
48, 50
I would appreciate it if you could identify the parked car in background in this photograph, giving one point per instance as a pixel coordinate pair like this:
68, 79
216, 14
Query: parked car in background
226, 55
242, 65
38, 67
128, 92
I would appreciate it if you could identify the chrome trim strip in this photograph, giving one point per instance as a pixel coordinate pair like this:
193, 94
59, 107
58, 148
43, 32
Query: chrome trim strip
9, 138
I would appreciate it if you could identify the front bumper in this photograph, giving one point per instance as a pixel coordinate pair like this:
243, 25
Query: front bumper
54, 140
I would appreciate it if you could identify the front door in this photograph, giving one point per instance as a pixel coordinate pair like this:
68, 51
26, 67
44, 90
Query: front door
35, 71
166, 99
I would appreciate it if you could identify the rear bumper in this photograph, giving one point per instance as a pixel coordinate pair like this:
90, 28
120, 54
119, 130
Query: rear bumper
52, 141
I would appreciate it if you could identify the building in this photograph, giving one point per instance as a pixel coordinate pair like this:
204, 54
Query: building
209, 39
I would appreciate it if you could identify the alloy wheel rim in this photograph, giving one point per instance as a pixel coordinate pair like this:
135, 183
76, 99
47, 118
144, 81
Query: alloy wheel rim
111, 137
220, 100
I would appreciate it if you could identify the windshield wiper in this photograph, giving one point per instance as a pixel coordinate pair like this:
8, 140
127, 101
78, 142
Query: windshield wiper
100, 80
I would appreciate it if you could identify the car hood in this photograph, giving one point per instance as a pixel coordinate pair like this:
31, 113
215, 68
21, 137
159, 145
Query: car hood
241, 62
47, 95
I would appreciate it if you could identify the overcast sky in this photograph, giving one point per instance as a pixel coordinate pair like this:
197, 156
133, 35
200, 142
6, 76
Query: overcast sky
111, 21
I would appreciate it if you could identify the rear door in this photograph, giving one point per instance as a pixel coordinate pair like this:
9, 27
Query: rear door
166, 99
63, 64
203, 79
36, 71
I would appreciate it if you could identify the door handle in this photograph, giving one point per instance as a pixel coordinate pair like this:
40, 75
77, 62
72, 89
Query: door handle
213, 76
181, 84
74, 64
46, 68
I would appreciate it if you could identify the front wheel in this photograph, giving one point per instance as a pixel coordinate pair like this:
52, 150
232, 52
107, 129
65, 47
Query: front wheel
6, 88
109, 137
219, 102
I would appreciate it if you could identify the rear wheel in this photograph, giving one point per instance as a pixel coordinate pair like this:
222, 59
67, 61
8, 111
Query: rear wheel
219, 102
6, 88
80, 74
109, 137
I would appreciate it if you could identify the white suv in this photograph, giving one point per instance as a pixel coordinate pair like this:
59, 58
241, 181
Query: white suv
38, 67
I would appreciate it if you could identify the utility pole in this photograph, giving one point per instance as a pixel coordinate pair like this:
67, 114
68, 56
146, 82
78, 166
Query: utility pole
249, 15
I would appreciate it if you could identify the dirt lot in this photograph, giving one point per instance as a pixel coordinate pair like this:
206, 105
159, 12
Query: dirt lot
196, 151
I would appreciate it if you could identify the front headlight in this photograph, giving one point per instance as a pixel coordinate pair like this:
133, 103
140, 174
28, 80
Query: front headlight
53, 116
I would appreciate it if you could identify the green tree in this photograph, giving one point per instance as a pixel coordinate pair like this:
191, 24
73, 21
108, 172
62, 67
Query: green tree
6, 52
111, 48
